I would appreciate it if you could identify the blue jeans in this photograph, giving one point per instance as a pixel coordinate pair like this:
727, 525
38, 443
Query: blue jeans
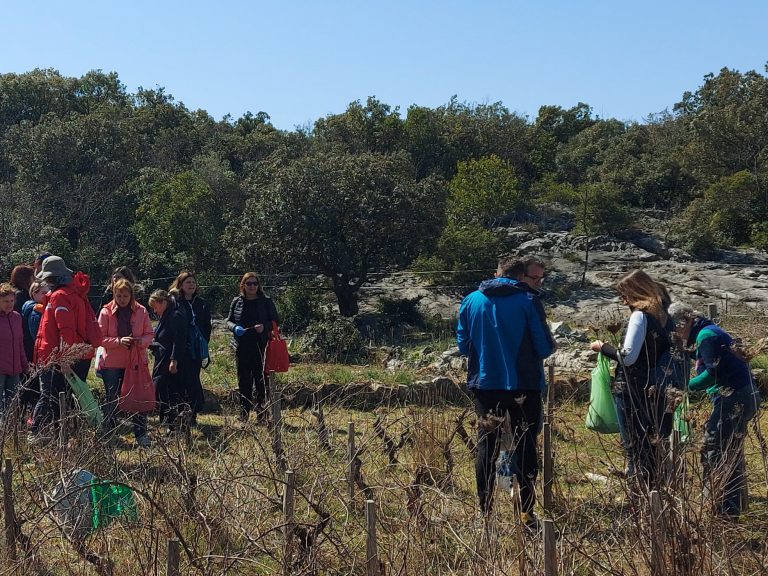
8, 386
113, 378
722, 454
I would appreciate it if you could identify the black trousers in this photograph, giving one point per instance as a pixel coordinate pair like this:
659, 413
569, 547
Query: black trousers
250, 377
648, 426
525, 413
170, 396
52, 381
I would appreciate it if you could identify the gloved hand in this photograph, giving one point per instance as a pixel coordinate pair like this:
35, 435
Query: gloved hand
239, 331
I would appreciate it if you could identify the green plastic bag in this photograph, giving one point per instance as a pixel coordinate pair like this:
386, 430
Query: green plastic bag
111, 501
601, 414
85, 399
680, 419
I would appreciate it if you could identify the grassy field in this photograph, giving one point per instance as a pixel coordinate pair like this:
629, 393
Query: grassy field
219, 492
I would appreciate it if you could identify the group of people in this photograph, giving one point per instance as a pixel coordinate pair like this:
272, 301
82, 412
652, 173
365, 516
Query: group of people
49, 331
503, 331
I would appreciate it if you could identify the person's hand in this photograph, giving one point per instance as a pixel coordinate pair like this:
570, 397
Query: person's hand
66, 369
173, 367
596, 345
239, 331
126, 341
259, 328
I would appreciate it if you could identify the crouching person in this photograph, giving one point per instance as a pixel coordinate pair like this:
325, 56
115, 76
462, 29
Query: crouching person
503, 331
725, 375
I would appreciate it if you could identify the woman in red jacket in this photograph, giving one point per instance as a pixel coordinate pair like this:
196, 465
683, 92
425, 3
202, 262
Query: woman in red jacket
124, 324
62, 339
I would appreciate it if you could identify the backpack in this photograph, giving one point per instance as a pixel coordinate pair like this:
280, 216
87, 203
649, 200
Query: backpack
92, 334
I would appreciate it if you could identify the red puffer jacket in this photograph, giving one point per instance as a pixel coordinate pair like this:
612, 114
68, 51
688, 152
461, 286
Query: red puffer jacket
63, 322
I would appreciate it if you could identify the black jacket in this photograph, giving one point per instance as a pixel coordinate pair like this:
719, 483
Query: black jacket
266, 313
170, 341
202, 313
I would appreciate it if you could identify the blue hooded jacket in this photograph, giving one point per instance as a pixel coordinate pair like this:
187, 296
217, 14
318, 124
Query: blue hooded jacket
503, 330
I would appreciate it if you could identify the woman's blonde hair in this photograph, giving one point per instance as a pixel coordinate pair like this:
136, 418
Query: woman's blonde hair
642, 292
123, 285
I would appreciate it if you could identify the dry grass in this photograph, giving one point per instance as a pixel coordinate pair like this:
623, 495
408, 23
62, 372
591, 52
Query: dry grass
219, 492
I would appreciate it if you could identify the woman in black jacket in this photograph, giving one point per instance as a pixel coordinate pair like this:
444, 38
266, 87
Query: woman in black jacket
197, 313
169, 347
250, 319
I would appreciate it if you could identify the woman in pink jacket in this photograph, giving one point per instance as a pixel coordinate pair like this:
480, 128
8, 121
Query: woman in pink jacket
124, 324
13, 360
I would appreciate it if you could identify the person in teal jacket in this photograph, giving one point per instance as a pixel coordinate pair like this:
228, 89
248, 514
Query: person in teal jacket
503, 331
725, 376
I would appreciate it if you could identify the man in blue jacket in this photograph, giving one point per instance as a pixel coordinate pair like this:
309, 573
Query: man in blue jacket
503, 331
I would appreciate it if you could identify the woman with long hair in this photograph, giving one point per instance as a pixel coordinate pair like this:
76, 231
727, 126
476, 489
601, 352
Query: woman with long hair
197, 313
124, 325
250, 320
646, 368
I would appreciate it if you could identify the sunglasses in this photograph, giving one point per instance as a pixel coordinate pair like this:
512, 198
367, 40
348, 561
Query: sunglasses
252, 283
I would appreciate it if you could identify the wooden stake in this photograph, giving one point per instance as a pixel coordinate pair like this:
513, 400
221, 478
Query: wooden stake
372, 559
550, 393
351, 455
173, 557
657, 536
63, 418
288, 520
548, 469
550, 551
711, 311
9, 513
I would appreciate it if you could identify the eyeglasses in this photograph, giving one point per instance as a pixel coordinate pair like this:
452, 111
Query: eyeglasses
252, 283
536, 278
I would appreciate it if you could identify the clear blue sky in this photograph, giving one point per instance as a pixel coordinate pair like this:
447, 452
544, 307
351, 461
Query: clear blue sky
301, 60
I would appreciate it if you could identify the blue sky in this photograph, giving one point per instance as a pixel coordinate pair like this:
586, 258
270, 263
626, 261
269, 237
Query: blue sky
301, 60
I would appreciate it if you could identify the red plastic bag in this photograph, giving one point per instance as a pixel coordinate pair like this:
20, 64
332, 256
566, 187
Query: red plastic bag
137, 392
277, 359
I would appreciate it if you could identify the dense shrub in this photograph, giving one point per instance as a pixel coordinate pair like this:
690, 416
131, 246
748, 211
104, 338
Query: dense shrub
398, 311
464, 255
298, 305
333, 338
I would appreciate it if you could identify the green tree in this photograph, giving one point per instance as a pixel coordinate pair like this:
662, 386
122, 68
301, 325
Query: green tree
344, 215
180, 225
483, 191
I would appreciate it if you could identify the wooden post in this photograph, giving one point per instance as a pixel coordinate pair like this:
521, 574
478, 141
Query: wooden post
657, 535
9, 513
711, 311
351, 455
172, 560
551, 393
63, 418
277, 422
745, 486
288, 520
550, 553
372, 559
548, 469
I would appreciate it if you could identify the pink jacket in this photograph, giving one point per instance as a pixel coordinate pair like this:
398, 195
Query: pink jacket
13, 360
115, 355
